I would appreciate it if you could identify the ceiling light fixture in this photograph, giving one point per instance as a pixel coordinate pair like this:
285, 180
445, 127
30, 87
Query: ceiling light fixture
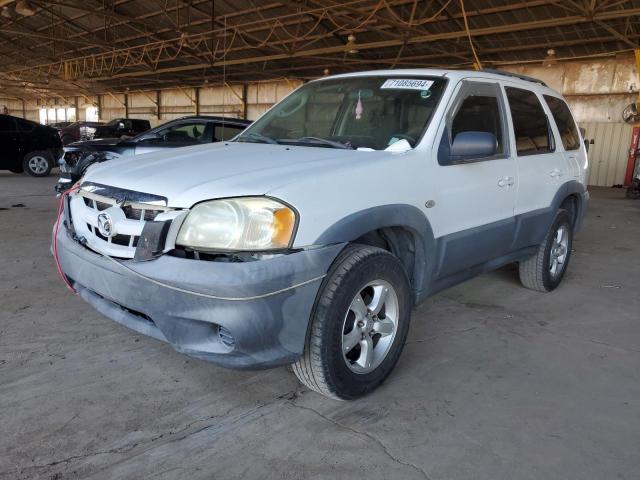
550, 60
351, 46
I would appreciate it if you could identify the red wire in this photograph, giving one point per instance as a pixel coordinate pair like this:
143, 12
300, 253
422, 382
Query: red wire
55, 239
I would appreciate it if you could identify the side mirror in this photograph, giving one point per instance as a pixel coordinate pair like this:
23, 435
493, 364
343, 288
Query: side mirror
586, 145
472, 145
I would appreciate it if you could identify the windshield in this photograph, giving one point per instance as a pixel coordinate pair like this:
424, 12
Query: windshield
354, 112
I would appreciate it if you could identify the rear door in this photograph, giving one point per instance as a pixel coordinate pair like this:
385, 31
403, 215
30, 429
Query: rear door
476, 199
11, 155
574, 152
541, 168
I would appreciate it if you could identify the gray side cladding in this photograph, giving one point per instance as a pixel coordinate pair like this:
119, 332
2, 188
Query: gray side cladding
451, 259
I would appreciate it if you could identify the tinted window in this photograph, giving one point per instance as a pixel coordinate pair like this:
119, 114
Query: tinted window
564, 122
530, 123
140, 124
184, 132
25, 126
479, 114
7, 124
225, 132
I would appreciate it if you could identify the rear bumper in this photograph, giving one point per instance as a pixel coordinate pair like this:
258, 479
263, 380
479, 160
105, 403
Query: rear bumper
238, 315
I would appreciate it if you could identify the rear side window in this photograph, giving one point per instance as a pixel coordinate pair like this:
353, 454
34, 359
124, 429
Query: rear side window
7, 124
530, 123
564, 121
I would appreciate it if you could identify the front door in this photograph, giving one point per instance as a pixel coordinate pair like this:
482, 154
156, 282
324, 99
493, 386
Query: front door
476, 199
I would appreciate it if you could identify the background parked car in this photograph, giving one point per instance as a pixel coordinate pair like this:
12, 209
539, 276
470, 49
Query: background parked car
60, 124
78, 131
119, 127
28, 146
181, 132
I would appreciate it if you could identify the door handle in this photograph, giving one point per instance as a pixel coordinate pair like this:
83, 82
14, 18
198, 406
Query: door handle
556, 173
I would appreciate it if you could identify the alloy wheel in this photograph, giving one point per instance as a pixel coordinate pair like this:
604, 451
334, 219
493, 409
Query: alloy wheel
370, 326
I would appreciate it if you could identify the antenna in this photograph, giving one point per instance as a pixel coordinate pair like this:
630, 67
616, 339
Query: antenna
224, 69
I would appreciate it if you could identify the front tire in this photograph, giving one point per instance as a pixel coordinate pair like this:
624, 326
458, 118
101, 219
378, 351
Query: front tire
38, 164
358, 326
544, 270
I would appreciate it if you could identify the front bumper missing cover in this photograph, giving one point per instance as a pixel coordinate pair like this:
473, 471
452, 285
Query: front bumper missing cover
258, 318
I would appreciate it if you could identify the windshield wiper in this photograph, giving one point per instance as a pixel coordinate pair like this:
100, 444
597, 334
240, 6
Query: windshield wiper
324, 141
258, 137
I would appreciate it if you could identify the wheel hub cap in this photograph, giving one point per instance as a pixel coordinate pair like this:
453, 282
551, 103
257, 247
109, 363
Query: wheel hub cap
370, 326
559, 250
38, 164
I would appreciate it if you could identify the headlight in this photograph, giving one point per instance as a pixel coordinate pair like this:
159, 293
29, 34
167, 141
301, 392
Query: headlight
248, 223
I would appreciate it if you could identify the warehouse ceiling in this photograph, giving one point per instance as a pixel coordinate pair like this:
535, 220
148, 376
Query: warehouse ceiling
64, 47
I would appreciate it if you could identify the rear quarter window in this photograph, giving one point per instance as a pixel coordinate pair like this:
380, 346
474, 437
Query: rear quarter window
530, 123
564, 121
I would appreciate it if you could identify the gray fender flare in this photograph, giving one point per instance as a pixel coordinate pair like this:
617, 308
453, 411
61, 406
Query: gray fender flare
572, 187
405, 216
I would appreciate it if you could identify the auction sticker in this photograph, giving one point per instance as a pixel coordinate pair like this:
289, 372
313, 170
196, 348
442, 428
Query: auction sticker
407, 84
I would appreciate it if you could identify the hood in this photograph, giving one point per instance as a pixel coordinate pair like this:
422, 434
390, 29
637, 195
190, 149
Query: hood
193, 174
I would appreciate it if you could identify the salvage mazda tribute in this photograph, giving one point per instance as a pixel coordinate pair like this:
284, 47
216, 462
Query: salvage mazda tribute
309, 237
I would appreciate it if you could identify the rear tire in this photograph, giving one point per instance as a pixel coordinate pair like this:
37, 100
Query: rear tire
38, 163
544, 270
358, 326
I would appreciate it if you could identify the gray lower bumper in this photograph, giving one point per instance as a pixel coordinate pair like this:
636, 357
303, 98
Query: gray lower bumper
266, 319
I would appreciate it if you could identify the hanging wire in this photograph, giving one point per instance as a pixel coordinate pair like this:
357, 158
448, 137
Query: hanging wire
477, 64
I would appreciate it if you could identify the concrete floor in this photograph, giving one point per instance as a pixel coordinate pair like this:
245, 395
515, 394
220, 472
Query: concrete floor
496, 382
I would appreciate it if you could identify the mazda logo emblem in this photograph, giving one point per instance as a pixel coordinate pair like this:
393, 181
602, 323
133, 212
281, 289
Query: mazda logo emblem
105, 225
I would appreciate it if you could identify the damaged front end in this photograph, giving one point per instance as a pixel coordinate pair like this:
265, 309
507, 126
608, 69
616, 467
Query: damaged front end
241, 310
74, 163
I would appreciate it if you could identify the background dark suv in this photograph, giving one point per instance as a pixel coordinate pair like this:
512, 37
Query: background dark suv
120, 127
28, 146
116, 128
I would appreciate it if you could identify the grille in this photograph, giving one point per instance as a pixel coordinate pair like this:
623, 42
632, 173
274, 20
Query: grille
127, 220
147, 214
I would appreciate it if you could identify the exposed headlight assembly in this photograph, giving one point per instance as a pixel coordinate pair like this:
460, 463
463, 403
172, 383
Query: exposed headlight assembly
238, 224
102, 156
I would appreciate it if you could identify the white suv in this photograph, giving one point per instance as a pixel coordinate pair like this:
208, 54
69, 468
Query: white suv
309, 237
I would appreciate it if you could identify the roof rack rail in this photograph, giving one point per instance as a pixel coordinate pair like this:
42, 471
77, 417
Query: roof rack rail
514, 75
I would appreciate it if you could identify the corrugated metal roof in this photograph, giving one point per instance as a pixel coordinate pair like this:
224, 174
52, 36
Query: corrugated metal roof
88, 46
